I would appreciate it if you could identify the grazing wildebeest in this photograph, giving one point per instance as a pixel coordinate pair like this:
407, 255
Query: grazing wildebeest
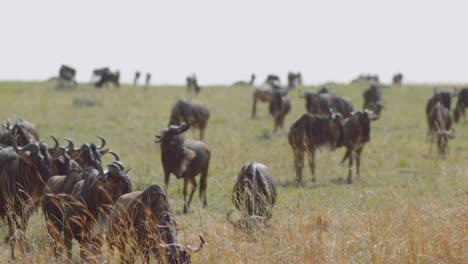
90, 205
105, 76
444, 97
23, 173
279, 107
397, 79
373, 99
185, 159
142, 223
311, 132
294, 80
440, 123
67, 73
137, 77
243, 83
194, 113
192, 84
462, 104
366, 78
323, 103
148, 79
56, 193
254, 195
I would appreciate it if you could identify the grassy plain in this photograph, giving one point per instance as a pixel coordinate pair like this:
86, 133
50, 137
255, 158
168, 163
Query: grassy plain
408, 206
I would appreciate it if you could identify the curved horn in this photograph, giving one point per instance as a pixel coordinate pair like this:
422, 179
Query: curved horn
202, 243
117, 158
8, 124
30, 147
71, 144
57, 144
103, 140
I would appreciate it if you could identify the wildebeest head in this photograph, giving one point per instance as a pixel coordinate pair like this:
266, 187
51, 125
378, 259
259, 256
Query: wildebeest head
178, 254
87, 154
17, 130
364, 117
172, 135
337, 129
115, 182
35, 155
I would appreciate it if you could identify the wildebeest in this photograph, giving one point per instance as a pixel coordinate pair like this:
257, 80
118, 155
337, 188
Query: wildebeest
325, 102
142, 223
254, 195
294, 80
10, 132
325, 89
440, 123
273, 80
444, 97
366, 78
105, 76
23, 171
88, 155
67, 73
264, 92
251, 82
137, 77
90, 205
148, 79
279, 107
373, 99
185, 159
397, 79
311, 132
192, 84
194, 113
462, 104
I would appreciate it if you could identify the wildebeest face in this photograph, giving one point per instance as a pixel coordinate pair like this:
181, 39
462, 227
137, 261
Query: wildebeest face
169, 135
36, 155
337, 129
176, 254
115, 182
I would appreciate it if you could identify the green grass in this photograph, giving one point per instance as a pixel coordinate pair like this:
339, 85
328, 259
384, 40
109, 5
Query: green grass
408, 206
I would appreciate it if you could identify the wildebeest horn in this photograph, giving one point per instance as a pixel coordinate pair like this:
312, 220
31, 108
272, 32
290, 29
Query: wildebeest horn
202, 243
71, 144
33, 148
119, 164
115, 155
57, 144
103, 140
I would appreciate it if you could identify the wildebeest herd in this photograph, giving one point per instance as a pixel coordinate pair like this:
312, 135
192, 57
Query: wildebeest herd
94, 203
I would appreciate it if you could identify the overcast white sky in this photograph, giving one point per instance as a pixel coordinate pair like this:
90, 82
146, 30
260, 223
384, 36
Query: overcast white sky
224, 41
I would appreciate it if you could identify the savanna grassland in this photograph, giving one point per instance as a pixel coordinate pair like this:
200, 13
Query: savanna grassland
408, 206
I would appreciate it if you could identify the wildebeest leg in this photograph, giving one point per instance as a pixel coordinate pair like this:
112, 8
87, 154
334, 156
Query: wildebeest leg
193, 183
358, 161
254, 107
167, 173
69, 243
53, 232
298, 164
311, 157
185, 195
203, 183
350, 172
11, 232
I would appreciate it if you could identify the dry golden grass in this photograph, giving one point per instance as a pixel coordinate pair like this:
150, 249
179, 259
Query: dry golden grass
408, 206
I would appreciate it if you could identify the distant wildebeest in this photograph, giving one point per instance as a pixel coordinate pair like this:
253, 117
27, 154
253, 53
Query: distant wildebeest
366, 78
294, 80
67, 73
324, 102
148, 79
251, 82
254, 195
273, 80
192, 84
373, 99
444, 97
279, 107
23, 173
440, 123
142, 223
312, 132
56, 193
185, 159
264, 92
462, 104
137, 77
194, 113
105, 76
397, 79
90, 205
325, 89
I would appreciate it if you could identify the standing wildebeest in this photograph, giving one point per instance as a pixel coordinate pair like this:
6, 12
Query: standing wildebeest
91, 203
373, 99
87, 154
105, 76
192, 112
67, 73
462, 104
137, 77
192, 84
366, 78
279, 107
142, 223
311, 132
185, 159
294, 80
273, 80
23, 173
444, 97
324, 102
440, 123
254, 195
397, 79
148, 79
243, 83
